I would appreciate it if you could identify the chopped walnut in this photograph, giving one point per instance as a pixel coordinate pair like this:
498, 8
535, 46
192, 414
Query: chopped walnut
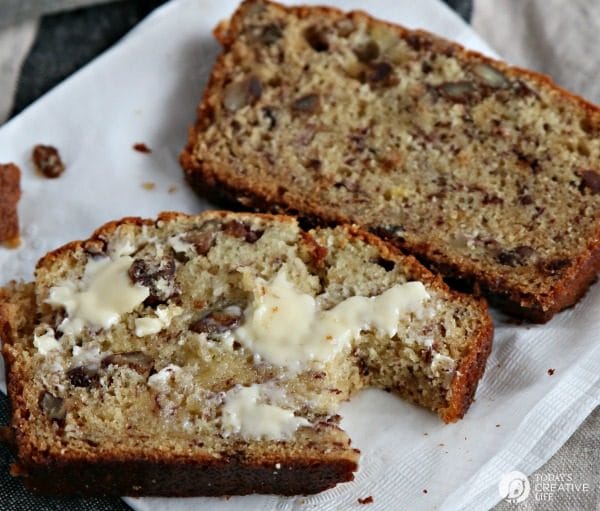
216, 322
47, 161
157, 275
140, 147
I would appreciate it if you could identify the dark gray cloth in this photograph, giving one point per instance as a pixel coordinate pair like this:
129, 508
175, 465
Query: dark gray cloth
67, 41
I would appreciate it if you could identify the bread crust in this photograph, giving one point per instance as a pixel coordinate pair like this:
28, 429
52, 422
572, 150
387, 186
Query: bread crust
184, 477
213, 181
10, 193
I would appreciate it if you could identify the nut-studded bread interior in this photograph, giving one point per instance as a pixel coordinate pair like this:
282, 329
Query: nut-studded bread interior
158, 381
487, 172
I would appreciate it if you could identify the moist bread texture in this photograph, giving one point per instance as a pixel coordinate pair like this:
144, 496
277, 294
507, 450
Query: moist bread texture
140, 407
487, 173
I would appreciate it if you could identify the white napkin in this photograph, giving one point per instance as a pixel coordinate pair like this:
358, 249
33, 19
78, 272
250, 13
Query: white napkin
145, 89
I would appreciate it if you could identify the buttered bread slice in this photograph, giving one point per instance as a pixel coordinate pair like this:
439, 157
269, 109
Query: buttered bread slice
489, 174
208, 355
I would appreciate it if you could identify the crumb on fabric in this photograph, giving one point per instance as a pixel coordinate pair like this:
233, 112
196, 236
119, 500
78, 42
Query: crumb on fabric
10, 193
424, 491
47, 161
149, 185
140, 147
366, 500
550, 372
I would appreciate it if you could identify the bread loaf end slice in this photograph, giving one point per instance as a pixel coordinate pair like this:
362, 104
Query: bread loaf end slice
487, 173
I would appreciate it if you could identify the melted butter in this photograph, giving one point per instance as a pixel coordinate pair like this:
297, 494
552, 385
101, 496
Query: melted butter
178, 244
46, 342
244, 414
153, 325
160, 381
286, 328
106, 292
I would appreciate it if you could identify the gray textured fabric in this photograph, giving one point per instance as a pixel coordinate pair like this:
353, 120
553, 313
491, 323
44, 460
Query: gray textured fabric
15, 42
554, 37
18, 28
12, 11
577, 462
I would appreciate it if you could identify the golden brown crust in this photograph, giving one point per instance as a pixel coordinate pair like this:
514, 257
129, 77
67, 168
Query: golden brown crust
214, 181
17, 303
10, 193
468, 374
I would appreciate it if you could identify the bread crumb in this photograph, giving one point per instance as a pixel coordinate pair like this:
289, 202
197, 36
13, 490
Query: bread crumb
47, 161
10, 193
13, 242
172, 189
149, 185
140, 147
497, 425
424, 491
550, 372
365, 500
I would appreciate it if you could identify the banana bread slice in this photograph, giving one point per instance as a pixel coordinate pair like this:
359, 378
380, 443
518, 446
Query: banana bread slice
487, 173
207, 355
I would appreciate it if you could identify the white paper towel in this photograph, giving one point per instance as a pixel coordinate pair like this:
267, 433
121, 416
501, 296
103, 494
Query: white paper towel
145, 89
